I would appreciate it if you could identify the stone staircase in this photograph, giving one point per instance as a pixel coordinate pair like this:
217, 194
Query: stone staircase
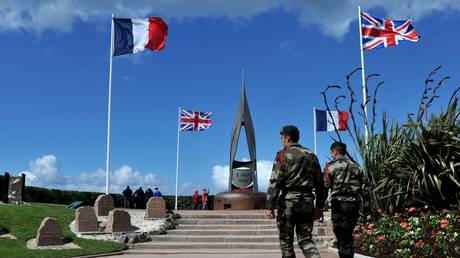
222, 232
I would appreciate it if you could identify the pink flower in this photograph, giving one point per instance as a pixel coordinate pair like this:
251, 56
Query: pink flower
381, 238
444, 223
370, 226
444, 210
403, 224
419, 244
368, 217
433, 233
412, 209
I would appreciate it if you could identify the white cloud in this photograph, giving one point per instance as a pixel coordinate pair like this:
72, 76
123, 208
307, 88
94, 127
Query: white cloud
45, 172
332, 17
221, 173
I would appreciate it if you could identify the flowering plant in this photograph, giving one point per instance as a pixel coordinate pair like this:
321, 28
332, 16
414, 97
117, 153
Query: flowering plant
413, 233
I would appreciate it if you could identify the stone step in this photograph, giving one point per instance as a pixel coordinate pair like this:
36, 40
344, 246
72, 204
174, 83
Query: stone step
219, 238
226, 226
230, 216
239, 222
322, 231
227, 221
321, 243
209, 251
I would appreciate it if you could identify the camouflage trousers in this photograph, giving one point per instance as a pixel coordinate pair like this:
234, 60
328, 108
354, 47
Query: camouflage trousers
344, 215
298, 214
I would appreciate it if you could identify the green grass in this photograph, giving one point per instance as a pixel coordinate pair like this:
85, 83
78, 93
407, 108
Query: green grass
23, 222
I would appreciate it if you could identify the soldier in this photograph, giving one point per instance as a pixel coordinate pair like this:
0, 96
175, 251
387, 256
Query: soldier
346, 182
295, 176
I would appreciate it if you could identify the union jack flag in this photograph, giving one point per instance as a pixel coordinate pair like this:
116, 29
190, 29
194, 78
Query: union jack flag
194, 120
378, 32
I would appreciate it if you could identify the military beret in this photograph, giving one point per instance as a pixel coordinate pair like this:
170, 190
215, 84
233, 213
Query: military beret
290, 130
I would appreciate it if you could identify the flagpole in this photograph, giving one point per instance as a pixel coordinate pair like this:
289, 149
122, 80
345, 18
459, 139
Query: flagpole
177, 157
314, 128
366, 135
107, 162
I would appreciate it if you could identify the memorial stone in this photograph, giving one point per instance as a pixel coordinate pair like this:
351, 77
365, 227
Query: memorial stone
103, 205
156, 208
118, 221
86, 220
15, 190
49, 232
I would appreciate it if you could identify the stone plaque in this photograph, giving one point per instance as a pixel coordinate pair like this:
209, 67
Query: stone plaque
15, 190
103, 205
49, 232
118, 221
156, 208
86, 220
242, 177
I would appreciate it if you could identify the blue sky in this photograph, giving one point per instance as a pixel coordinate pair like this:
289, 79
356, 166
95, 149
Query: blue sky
54, 67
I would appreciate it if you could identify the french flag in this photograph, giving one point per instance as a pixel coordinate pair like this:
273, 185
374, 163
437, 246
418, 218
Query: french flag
324, 121
134, 35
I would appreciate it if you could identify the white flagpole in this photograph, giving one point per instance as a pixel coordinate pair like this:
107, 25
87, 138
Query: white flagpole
366, 136
177, 157
107, 162
314, 128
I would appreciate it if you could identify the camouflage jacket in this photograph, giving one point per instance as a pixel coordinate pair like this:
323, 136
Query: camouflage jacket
346, 180
296, 174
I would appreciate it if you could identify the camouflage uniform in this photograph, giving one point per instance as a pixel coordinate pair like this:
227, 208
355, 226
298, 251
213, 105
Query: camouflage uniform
296, 173
346, 182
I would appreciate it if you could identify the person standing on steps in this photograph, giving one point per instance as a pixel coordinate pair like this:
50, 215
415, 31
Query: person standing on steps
196, 199
204, 199
157, 193
127, 195
348, 188
139, 198
296, 179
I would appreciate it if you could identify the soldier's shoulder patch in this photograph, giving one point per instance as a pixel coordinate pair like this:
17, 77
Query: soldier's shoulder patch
279, 155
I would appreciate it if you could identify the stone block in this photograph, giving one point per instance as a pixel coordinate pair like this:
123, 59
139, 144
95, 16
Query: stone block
118, 221
103, 205
15, 190
156, 208
49, 232
86, 219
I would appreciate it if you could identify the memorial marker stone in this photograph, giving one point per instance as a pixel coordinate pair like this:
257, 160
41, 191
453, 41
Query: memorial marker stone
156, 208
86, 219
15, 190
49, 232
103, 205
118, 221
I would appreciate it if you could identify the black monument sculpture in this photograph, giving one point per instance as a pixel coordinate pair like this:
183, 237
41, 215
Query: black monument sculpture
242, 187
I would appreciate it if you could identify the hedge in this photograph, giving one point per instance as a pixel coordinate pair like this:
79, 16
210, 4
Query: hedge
56, 196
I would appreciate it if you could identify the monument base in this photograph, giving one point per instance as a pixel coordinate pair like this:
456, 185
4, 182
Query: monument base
240, 201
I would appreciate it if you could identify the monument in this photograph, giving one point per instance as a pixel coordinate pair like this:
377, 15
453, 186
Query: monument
49, 232
16, 189
243, 191
156, 208
86, 219
104, 204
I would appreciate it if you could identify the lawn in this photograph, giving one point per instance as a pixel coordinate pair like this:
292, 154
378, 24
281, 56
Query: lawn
23, 222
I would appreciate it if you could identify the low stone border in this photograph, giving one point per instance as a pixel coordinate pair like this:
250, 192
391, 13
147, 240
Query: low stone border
333, 250
8, 236
32, 244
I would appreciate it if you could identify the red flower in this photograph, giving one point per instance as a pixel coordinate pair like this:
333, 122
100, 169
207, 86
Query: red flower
381, 238
444, 223
412, 209
419, 244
